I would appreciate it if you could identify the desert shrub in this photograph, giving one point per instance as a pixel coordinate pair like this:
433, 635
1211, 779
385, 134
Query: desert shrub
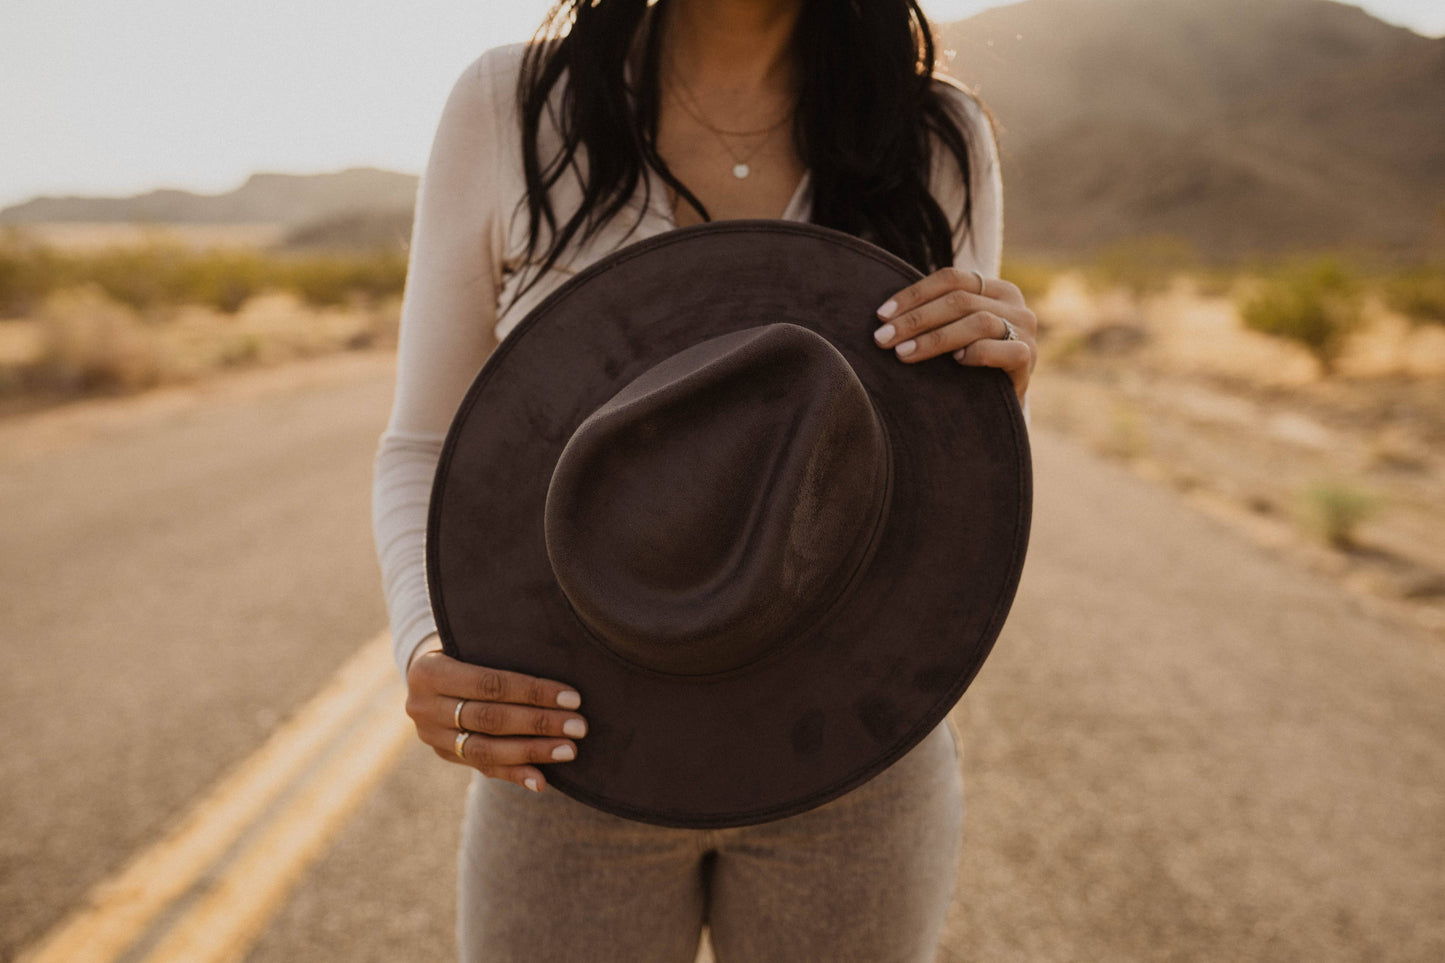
155, 275
27, 273
1032, 277
1142, 265
19, 287
1332, 511
1315, 304
143, 277
334, 279
93, 343
224, 280
1418, 292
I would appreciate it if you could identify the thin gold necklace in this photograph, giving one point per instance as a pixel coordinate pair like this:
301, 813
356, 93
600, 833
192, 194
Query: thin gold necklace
688, 102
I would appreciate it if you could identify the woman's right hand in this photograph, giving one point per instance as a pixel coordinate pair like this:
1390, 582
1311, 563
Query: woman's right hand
518, 721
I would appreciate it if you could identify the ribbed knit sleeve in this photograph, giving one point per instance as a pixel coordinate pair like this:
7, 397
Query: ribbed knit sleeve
447, 318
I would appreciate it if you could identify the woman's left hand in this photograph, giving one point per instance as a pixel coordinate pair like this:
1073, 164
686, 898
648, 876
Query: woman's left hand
960, 313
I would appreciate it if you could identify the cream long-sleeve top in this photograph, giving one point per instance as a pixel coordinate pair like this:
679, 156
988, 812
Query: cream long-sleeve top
467, 263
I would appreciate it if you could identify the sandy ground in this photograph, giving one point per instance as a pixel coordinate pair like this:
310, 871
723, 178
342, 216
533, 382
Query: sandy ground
82, 344
1246, 426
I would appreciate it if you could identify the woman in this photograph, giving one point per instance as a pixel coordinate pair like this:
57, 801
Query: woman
643, 119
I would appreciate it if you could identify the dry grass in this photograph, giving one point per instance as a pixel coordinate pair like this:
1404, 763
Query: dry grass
150, 308
1418, 293
1341, 459
1315, 304
89, 342
157, 273
80, 341
1334, 510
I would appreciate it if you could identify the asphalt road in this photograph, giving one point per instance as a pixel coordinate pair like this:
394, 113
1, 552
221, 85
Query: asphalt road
1182, 748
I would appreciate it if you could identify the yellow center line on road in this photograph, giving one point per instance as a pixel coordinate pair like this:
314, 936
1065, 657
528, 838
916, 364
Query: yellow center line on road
221, 927
119, 910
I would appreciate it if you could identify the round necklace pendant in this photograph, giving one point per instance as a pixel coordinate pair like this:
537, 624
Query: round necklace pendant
740, 171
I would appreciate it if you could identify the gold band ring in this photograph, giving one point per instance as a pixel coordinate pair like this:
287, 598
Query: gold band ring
457, 715
459, 747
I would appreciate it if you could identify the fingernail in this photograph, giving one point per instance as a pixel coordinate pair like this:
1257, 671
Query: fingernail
906, 348
531, 783
958, 355
569, 699
887, 308
564, 753
575, 728
884, 333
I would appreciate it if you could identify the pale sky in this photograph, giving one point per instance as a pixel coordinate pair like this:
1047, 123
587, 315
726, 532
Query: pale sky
113, 98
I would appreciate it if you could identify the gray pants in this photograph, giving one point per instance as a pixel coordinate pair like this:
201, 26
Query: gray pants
867, 877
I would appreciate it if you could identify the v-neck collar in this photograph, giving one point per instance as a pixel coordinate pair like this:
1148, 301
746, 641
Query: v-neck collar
796, 210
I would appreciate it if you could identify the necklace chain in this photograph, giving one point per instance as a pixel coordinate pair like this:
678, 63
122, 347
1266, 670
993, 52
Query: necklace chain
695, 111
688, 102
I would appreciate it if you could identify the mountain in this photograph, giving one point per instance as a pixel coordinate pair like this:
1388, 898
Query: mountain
291, 199
1246, 126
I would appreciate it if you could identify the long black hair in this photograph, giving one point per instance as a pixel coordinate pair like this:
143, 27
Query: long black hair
867, 104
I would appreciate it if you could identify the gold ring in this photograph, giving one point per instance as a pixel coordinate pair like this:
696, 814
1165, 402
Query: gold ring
459, 747
457, 715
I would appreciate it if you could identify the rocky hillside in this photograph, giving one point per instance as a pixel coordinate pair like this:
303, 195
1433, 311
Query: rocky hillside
265, 198
1247, 126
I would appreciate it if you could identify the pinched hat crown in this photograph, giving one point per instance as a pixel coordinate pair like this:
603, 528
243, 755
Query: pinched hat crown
769, 556
721, 503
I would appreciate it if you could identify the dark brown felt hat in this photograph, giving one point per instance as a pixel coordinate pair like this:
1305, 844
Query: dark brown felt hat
769, 555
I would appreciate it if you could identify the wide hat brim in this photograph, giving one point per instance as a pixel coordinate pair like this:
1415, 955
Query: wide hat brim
859, 689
